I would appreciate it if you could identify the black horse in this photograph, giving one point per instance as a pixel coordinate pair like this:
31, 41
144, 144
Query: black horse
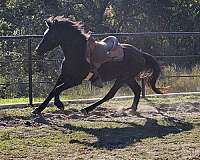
72, 38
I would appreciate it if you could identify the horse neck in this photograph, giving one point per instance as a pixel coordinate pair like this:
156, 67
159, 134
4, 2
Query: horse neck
74, 50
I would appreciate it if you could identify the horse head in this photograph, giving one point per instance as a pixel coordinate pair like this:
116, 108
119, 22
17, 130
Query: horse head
65, 33
51, 38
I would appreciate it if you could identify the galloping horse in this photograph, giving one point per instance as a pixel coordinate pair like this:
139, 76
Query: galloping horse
72, 38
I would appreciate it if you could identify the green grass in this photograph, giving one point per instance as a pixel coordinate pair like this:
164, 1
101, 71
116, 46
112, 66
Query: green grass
13, 100
174, 136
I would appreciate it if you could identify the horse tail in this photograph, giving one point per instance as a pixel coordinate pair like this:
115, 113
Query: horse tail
154, 70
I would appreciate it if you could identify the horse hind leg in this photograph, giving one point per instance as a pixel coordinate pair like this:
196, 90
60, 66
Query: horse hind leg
135, 87
108, 96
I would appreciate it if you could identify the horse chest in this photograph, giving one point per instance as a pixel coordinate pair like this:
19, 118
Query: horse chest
75, 68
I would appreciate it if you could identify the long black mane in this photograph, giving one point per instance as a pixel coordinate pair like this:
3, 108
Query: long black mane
73, 36
76, 26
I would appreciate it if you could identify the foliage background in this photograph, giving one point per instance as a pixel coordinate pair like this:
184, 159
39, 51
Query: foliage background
23, 17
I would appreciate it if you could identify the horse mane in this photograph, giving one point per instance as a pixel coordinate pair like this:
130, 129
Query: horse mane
77, 25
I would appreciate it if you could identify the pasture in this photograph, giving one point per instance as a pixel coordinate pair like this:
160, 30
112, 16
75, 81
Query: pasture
163, 128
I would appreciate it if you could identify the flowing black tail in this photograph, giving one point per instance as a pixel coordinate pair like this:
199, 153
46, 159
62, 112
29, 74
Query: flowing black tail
152, 64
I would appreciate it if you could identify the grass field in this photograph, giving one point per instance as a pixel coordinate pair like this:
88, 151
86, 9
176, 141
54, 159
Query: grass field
163, 128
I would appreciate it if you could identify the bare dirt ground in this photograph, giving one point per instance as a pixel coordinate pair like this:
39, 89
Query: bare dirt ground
156, 131
104, 113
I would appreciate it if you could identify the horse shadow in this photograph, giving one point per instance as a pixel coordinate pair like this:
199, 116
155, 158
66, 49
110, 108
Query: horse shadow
118, 138
121, 137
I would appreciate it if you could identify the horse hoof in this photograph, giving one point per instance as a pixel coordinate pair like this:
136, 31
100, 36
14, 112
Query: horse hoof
83, 111
134, 108
59, 105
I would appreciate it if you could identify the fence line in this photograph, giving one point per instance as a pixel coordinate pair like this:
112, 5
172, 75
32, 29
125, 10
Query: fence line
51, 60
139, 34
150, 34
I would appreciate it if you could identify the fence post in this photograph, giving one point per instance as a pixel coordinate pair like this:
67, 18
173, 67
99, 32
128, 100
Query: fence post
143, 88
30, 81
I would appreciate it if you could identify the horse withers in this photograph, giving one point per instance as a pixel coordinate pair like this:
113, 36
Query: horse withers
72, 38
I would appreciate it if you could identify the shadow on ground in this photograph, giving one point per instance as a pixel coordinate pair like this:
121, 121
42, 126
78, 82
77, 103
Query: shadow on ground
121, 137
116, 138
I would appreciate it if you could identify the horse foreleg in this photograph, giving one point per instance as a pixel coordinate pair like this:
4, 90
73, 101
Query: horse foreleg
135, 87
55, 92
109, 95
57, 101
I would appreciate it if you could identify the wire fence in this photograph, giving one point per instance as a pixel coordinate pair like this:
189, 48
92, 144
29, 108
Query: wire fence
23, 76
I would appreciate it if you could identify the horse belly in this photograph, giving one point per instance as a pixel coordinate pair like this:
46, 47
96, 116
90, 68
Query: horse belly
131, 66
110, 71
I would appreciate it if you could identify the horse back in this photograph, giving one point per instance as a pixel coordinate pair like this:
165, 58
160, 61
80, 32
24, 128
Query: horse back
131, 65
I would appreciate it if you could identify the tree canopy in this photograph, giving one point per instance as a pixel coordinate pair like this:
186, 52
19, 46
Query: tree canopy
101, 15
